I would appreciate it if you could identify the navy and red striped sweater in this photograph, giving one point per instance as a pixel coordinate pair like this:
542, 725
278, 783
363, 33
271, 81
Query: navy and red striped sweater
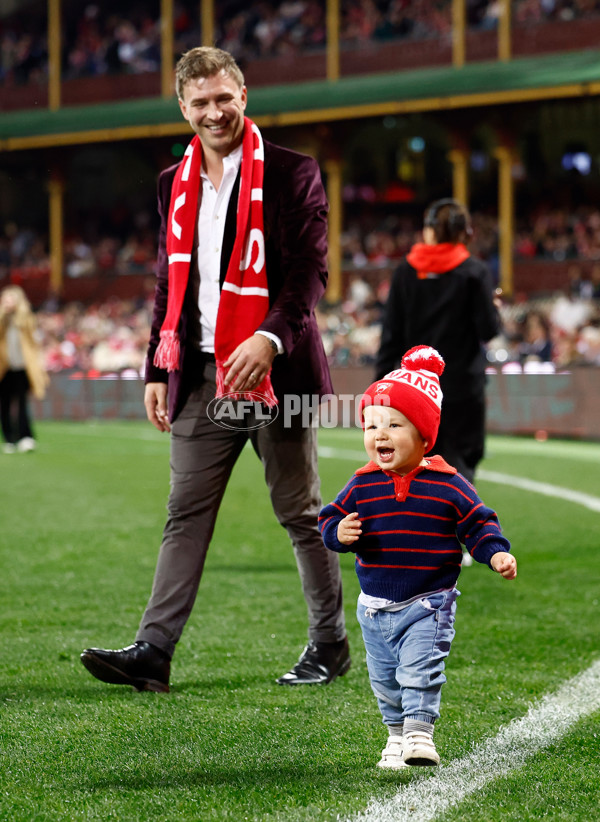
412, 528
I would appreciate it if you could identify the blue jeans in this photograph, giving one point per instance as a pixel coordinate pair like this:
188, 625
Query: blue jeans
406, 653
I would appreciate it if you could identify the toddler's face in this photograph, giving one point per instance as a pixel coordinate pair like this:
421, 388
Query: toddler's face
391, 440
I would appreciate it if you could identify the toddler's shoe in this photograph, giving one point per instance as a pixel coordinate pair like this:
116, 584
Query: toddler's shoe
392, 755
418, 749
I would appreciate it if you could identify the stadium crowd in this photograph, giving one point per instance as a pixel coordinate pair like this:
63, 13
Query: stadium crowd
100, 39
369, 240
544, 333
557, 331
560, 328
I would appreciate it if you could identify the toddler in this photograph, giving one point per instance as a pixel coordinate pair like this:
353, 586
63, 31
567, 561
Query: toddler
405, 517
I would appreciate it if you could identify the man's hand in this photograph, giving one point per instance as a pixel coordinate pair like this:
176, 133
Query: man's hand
155, 401
349, 529
249, 364
505, 564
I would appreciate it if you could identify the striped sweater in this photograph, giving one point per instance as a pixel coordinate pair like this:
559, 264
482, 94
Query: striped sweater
412, 528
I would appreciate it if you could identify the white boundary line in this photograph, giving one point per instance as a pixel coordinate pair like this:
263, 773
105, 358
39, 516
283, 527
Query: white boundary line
543, 725
516, 742
578, 497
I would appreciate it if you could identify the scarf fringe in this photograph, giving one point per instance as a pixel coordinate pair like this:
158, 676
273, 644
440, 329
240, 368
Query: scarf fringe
167, 354
264, 390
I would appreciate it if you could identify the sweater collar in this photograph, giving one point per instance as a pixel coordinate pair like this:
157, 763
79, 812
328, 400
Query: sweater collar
402, 484
434, 463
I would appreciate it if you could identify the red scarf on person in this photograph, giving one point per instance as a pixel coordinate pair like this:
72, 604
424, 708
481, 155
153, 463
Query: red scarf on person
244, 300
436, 259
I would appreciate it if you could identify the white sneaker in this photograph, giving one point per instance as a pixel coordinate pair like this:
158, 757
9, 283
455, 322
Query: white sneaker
9, 448
419, 749
26, 444
392, 755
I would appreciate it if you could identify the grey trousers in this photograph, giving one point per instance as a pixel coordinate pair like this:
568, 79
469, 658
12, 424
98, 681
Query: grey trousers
202, 458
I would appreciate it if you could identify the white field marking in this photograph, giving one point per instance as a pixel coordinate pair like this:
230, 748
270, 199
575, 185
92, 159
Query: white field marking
578, 497
544, 724
545, 488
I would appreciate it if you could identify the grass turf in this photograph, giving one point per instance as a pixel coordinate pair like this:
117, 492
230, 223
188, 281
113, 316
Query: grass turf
81, 523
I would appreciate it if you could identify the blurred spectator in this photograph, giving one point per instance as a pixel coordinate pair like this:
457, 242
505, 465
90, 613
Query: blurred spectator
79, 258
23, 51
594, 293
536, 345
21, 369
569, 313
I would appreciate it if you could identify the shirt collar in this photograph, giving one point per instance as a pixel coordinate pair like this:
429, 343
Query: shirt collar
231, 161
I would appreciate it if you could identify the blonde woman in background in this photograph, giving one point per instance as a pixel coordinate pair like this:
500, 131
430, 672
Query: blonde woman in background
21, 369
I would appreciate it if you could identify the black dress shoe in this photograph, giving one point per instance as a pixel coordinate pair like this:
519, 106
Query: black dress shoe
141, 665
319, 664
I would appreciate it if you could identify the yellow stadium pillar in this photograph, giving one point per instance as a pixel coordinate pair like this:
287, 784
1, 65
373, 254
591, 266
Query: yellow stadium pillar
459, 158
54, 57
333, 40
207, 21
459, 24
333, 170
506, 222
504, 30
166, 47
56, 191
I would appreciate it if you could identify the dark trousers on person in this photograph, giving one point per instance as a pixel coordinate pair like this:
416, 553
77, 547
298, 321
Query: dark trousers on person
14, 412
203, 455
461, 437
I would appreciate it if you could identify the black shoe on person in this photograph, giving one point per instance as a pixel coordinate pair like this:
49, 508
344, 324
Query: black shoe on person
141, 665
319, 664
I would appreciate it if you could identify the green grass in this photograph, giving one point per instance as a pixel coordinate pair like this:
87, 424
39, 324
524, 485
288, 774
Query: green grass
81, 524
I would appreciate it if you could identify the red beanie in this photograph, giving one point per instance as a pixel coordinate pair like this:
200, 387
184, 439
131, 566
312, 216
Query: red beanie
413, 389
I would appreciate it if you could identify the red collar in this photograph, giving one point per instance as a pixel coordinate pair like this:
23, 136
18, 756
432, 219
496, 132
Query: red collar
435, 463
436, 259
401, 484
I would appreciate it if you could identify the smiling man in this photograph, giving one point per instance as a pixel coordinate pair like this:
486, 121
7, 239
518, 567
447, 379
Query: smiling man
242, 263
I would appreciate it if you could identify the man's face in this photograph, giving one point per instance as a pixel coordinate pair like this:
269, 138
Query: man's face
214, 107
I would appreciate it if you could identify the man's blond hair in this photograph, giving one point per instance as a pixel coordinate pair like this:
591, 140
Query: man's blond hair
205, 61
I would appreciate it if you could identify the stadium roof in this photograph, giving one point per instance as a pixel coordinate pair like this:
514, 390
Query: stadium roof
571, 74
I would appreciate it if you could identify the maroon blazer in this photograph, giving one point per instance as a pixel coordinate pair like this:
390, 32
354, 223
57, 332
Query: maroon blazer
295, 218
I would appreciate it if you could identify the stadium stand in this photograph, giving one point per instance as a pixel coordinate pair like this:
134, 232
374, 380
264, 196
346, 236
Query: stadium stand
401, 103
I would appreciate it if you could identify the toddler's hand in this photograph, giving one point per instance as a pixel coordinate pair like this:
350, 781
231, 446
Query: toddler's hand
349, 529
505, 564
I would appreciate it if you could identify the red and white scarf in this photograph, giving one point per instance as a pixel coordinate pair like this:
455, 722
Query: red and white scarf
244, 300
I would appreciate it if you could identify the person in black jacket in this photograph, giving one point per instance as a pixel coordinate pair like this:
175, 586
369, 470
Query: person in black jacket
442, 297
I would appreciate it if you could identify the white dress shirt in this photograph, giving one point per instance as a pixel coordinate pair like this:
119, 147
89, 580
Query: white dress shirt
211, 228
